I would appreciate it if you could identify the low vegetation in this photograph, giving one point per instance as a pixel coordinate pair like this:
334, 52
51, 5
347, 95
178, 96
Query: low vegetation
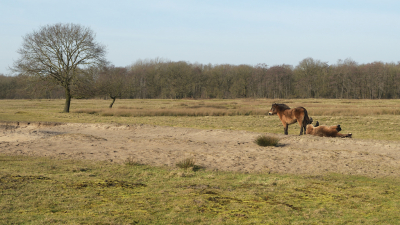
186, 163
51, 191
264, 140
366, 119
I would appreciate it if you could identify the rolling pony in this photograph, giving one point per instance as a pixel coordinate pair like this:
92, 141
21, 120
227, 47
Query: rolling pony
326, 131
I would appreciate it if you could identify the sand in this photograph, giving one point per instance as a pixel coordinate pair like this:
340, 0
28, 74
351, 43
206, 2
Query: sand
215, 150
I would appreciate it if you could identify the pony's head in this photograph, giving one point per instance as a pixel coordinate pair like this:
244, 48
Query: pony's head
273, 109
277, 108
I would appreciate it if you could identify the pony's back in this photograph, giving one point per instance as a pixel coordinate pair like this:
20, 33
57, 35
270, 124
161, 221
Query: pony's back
283, 106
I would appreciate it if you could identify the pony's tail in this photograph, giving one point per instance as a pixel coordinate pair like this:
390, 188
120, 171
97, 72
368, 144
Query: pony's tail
306, 119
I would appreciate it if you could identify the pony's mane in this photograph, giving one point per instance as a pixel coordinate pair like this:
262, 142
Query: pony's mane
282, 106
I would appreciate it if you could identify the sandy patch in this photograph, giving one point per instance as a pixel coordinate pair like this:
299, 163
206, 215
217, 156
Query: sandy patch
223, 150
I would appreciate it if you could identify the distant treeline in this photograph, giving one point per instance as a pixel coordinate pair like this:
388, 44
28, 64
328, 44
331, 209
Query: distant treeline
175, 80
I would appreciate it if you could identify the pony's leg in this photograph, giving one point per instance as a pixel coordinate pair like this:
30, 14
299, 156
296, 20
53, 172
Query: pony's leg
286, 129
302, 127
344, 135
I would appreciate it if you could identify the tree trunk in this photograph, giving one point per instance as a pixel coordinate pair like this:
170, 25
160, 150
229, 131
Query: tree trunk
67, 99
112, 103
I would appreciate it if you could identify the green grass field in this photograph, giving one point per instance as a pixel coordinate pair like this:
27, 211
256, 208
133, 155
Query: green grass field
49, 191
45, 191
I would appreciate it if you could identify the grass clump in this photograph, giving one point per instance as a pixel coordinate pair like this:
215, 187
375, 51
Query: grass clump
264, 140
186, 163
130, 161
189, 163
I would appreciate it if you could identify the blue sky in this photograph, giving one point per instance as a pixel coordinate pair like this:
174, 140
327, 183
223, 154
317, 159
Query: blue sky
217, 32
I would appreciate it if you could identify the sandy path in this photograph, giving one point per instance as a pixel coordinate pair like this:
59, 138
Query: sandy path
224, 150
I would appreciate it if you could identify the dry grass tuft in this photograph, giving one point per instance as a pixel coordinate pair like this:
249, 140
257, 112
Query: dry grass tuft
130, 161
186, 163
264, 140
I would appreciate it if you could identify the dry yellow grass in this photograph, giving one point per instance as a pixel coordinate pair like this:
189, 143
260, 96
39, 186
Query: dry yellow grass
366, 119
238, 107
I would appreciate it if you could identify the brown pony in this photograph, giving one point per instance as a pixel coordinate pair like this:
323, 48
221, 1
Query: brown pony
326, 131
290, 116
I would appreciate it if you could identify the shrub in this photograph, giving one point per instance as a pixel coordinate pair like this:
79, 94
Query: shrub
186, 163
265, 140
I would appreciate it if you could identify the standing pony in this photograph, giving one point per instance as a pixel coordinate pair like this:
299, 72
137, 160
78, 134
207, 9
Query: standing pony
290, 116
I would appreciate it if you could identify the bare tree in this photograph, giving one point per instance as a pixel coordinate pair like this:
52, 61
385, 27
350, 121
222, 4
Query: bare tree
85, 85
59, 52
112, 81
309, 75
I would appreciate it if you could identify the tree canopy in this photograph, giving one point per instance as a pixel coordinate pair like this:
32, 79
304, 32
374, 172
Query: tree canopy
59, 53
64, 61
